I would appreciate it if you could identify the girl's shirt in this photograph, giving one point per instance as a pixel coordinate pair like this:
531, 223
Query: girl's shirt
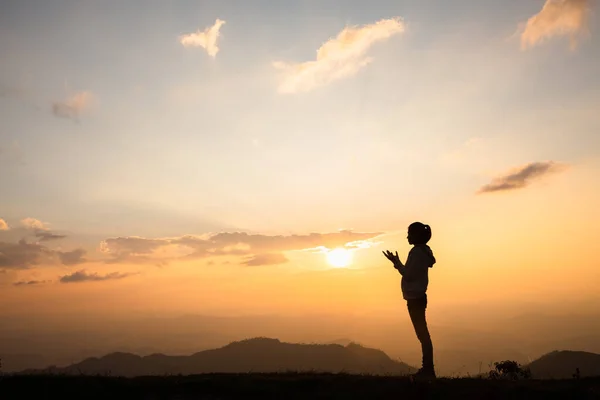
415, 274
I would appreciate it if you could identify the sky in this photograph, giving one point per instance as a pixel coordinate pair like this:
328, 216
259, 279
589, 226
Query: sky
251, 157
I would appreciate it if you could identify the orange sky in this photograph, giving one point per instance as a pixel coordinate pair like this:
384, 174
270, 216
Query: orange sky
213, 165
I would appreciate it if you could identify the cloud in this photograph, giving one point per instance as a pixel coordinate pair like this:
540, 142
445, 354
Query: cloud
138, 249
557, 18
46, 236
84, 276
522, 176
362, 244
265, 259
32, 223
30, 283
41, 230
3, 225
24, 255
206, 39
132, 245
73, 106
338, 58
265, 243
72, 257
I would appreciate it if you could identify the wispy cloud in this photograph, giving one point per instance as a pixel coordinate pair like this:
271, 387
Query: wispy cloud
73, 106
522, 176
206, 39
265, 259
3, 225
338, 58
30, 283
84, 276
557, 18
46, 236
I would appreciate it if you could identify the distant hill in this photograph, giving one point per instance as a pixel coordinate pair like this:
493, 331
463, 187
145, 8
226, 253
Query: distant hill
562, 365
342, 342
260, 355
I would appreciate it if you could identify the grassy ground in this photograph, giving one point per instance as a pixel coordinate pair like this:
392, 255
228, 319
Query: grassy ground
287, 387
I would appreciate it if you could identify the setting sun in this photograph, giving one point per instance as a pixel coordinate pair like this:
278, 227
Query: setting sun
339, 258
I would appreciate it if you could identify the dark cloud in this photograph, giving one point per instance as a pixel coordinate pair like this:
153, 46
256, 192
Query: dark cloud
24, 255
72, 257
137, 249
30, 283
522, 176
265, 259
46, 236
84, 276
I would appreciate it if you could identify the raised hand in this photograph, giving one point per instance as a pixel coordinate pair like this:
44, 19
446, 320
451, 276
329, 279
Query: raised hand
392, 257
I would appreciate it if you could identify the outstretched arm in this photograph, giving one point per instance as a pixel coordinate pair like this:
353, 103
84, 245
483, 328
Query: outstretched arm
394, 259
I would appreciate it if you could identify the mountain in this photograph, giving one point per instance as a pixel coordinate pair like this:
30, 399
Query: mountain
251, 355
562, 365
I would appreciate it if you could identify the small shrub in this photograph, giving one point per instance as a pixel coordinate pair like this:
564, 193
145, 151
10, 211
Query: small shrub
510, 370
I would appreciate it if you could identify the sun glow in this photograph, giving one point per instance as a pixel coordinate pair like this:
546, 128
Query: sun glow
339, 258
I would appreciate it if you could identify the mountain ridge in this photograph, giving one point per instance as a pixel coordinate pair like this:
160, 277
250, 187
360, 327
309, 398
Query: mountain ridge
268, 355
562, 364
257, 355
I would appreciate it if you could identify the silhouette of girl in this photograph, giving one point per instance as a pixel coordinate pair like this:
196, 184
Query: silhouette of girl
415, 279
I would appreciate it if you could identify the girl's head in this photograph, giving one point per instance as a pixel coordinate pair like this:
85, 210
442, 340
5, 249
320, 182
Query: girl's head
418, 233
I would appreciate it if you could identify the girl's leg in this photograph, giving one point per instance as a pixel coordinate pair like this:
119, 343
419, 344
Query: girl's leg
416, 310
